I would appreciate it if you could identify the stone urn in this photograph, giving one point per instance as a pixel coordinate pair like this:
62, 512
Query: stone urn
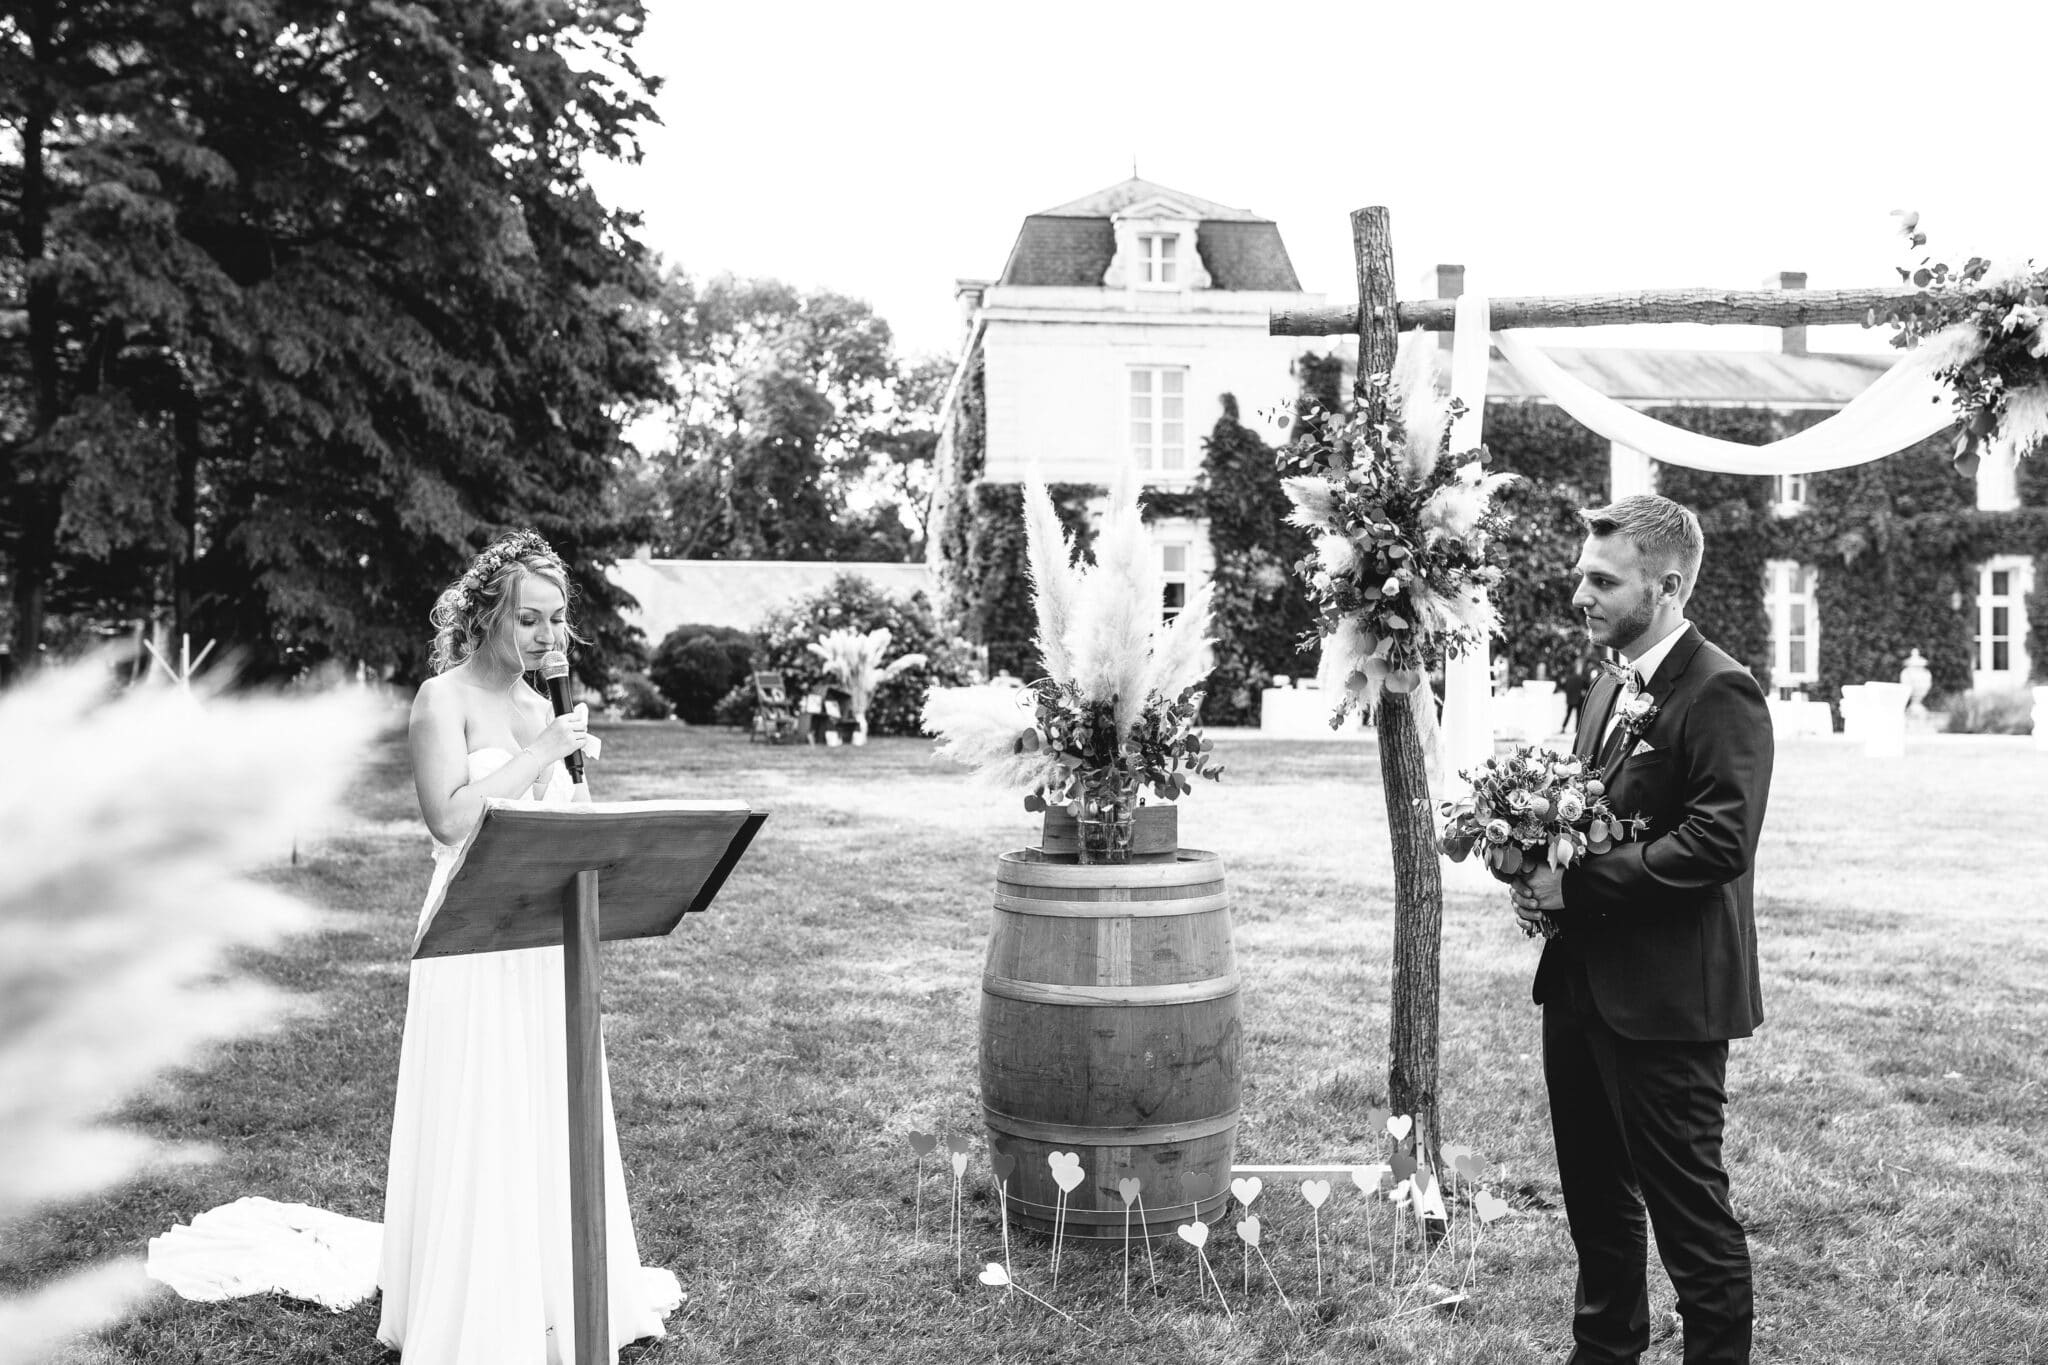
1917, 680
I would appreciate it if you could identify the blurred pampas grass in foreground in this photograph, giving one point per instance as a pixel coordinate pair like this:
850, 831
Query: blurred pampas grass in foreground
129, 828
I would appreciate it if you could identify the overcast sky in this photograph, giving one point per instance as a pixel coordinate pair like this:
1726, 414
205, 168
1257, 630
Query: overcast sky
1550, 146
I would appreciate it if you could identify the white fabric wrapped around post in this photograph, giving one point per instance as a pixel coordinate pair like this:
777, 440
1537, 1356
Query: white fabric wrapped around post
2041, 717
1465, 735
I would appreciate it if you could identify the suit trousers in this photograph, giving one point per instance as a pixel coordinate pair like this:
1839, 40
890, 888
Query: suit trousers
1638, 1128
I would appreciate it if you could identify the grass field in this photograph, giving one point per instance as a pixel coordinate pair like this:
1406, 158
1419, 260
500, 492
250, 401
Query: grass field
1888, 1133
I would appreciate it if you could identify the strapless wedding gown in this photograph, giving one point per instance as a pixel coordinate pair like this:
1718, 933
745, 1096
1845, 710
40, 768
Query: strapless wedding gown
476, 1267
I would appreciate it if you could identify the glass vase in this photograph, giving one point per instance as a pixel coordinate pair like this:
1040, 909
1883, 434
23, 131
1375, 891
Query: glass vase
1107, 814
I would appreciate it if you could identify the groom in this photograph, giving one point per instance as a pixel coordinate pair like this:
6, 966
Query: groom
1654, 967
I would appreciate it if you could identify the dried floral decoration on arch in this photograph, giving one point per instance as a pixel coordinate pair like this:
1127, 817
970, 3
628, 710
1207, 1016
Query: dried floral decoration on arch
1403, 529
1986, 328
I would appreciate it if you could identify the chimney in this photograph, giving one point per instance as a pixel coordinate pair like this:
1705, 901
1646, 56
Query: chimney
1791, 340
1450, 284
967, 294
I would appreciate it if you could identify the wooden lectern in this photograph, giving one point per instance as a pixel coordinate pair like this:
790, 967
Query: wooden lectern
528, 876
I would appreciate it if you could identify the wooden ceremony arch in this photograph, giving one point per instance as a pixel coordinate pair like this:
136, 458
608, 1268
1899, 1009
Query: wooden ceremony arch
1378, 320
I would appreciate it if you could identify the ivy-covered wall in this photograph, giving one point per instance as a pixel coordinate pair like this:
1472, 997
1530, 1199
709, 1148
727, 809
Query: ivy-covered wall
1259, 611
1896, 542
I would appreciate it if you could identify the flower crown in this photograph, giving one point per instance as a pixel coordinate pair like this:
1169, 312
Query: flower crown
492, 561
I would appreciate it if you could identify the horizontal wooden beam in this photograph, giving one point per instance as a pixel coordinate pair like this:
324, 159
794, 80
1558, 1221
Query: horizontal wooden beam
1755, 307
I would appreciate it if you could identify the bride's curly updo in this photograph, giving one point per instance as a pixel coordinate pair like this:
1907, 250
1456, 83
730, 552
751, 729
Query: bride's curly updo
470, 610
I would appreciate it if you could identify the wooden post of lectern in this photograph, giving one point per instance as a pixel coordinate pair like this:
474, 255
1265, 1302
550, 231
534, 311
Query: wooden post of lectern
529, 876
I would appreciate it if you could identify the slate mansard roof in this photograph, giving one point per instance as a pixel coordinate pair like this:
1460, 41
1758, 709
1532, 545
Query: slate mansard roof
1072, 245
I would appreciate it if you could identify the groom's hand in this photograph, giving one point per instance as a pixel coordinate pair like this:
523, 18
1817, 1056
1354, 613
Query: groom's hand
1537, 890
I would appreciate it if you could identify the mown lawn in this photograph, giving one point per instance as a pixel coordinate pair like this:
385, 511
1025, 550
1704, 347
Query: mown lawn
1889, 1130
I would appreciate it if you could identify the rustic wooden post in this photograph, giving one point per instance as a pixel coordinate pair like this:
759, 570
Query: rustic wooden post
1418, 879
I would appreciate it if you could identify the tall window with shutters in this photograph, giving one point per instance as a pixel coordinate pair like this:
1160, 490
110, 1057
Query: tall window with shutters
1158, 420
2003, 583
1795, 628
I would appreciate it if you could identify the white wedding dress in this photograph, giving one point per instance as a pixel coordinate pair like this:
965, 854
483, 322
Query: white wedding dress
476, 1266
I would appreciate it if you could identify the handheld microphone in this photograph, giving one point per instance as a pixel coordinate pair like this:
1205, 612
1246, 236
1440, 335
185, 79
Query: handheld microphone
554, 671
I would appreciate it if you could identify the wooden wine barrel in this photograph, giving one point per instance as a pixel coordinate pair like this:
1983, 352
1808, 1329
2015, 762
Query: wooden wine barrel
1109, 1028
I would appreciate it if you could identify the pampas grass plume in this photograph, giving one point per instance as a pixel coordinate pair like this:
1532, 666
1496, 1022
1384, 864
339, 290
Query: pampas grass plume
121, 898
1055, 581
1425, 410
981, 726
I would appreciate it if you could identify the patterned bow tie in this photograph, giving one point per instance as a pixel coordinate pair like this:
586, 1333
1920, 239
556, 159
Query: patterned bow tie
1622, 674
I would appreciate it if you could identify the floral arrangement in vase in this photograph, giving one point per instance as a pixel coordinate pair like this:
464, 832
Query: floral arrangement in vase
1402, 531
856, 661
1117, 715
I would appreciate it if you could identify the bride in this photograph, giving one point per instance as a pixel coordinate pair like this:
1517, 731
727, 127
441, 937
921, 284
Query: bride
475, 1267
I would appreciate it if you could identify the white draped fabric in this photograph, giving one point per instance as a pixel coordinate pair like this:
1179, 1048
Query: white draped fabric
1904, 406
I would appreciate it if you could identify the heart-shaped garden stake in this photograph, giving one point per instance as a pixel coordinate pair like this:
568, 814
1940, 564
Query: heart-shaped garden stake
1370, 1178
959, 1144
1246, 1189
1317, 1193
922, 1144
1399, 1126
1489, 1210
1066, 1173
1196, 1235
1004, 1164
998, 1278
1131, 1191
1248, 1233
1192, 1186
958, 1147
1402, 1165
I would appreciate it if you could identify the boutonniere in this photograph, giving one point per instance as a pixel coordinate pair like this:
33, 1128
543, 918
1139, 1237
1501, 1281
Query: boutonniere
1637, 711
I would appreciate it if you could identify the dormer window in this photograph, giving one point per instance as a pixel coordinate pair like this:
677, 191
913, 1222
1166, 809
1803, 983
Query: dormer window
1159, 259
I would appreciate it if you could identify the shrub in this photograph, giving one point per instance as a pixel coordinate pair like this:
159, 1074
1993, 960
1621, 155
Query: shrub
640, 699
2007, 711
736, 708
852, 602
695, 666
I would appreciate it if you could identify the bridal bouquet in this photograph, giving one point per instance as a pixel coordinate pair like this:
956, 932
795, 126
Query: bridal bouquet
1531, 807
1118, 712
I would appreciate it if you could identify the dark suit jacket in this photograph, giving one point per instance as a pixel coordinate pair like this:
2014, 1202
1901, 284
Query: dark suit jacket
1664, 923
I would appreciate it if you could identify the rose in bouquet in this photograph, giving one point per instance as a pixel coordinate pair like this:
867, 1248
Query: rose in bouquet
1118, 713
1531, 807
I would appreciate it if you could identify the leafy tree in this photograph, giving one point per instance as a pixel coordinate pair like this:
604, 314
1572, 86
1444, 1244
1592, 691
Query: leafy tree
283, 384
796, 432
